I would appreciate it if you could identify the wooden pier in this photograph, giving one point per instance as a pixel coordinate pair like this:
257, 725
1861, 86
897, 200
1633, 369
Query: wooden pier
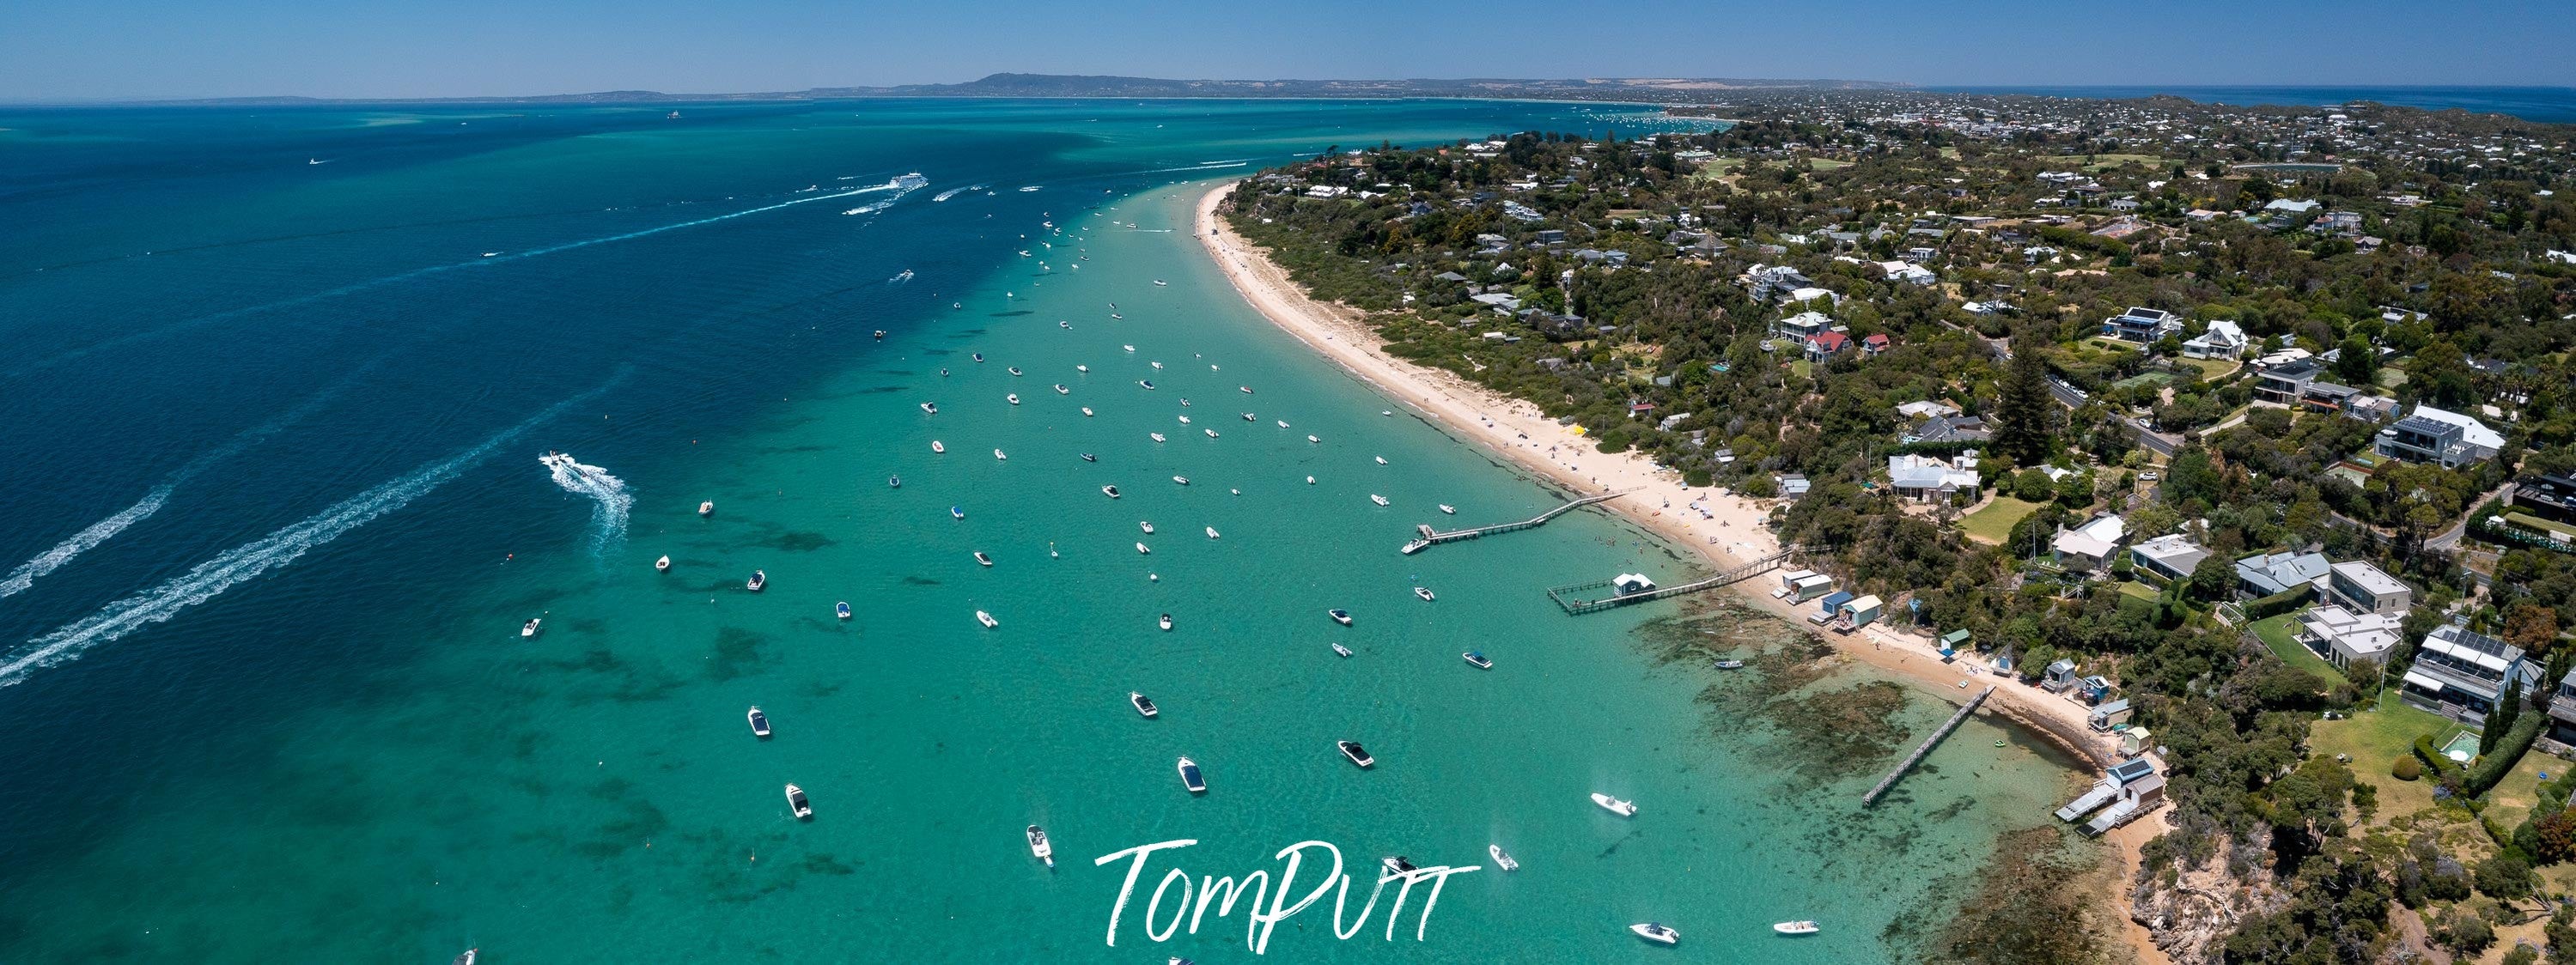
1431, 537
1580, 598
1917, 757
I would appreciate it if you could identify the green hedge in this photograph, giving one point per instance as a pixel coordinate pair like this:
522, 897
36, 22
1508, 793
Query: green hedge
2493, 767
2278, 603
2441, 767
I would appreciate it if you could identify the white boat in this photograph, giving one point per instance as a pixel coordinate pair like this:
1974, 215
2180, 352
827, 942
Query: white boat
1357, 754
1157, 436
986, 619
1283, 423
1502, 858
1038, 845
841, 609
707, 508
1424, 592
1014, 397
1796, 928
1342, 650
662, 565
759, 722
1211, 433
1144, 705
1086, 410
470, 953
1653, 932
1061, 390
1165, 623
1141, 549
981, 558
1381, 460
957, 512
1147, 383
1082, 368
1158, 283
1730, 665
1013, 369
929, 409
1625, 809
1147, 525
796, 802
997, 454
759, 578
1375, 498
1245, 389
1211, 531
1191, 778
1157, 365
1313, 439
1109, 491
529, 629
1185, 420
938, 446
1248, 417
1451, 510
1339, 616
1130, 348
1182, 480
1396, 865
1310, 480
1477, 659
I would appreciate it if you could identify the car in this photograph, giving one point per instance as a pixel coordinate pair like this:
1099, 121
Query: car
2148, 477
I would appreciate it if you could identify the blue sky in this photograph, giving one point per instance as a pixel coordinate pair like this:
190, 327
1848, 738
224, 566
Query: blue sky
114, 49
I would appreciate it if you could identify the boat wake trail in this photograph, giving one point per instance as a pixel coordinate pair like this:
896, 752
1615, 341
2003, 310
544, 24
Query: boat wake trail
608, 517
897, 184
88, 539
902, 185
251, 560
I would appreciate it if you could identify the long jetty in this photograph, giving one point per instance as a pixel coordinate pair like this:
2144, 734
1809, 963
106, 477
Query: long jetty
1581, 598
1917, 757
1431, 537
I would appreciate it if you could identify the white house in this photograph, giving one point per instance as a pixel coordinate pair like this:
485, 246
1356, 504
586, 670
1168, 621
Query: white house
2086, 548
2223, 340
1925, 478
2342, 636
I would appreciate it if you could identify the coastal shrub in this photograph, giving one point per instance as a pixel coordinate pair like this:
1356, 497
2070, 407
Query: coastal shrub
2462, 931
2406, 769
2278, 603
2504, 877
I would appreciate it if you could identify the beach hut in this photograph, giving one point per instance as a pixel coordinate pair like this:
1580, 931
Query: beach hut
1628, 583
1829, 606
1857, 613
1805, 585
2107, 715
2136, 740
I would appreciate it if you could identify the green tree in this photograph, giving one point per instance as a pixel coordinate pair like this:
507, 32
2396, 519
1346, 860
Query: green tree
2356, 363
2032, 486
2211, 579
2502, 720
2025, 415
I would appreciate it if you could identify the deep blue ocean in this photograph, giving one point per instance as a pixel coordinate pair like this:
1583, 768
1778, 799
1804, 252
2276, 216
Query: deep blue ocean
272, 518
2556, 105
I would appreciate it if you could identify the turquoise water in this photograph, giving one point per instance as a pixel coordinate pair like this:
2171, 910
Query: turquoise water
334, 745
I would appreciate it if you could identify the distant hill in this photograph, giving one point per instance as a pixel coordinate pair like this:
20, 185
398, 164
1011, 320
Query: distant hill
1654, 90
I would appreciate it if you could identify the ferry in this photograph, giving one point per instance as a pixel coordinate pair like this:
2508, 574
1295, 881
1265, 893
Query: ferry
1038, 845
1477, 659
929, 409
1358, 755
938, 446
1109, 491
841, 609
707, 508
1182, 480
1339, 616
986, 619
759, 578
1653, 932
1424, 592
1141, 550
1165, 623
981, 558
1211, 531
759, 722
1502, 858
662, 565
957, 512
1625, 809
1375, 498
529, 629
1796, 928
1342, 650
1144, 705
997, 454
1191, 778
796, 802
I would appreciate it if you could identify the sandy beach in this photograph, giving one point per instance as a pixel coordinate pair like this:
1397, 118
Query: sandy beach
1725, 529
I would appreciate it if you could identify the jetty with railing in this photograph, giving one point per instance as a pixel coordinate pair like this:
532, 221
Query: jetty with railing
1431, 537
1920, 752
1581, 598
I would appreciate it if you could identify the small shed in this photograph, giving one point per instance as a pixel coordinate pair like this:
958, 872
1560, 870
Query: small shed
1956, 640
1810, 586
1628, 583
1857, 613
2136, 740
2115, 712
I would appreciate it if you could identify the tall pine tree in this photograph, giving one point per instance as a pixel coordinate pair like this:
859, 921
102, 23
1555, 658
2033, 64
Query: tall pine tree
2025, 415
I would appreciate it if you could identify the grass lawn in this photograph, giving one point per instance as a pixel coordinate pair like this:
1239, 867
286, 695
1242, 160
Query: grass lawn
2375, 739
1995, 522
2519, 792
2105, 162
2139, 589
2274, 631
2210, 369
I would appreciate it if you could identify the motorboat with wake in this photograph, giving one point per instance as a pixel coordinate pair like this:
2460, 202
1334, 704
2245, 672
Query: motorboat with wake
986, 619
796, 802
1477, 659
759, 578
1502, 858
1653, 932
1339, 616
1396, 865
662, 565
1038, 845
1191, 777
1357, 754
1625, 809
1144, 705
841, 609
759, 722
